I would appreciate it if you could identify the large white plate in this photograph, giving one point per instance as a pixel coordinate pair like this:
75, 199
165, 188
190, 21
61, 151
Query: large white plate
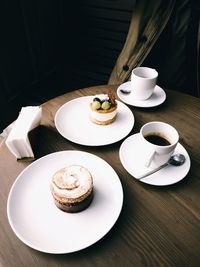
38, 223
157, 98
72, 121
131, 156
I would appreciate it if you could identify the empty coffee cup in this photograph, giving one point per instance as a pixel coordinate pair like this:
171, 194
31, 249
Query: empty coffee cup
159, 140
143, 82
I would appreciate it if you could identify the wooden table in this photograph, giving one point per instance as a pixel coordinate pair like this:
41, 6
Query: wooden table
158, 226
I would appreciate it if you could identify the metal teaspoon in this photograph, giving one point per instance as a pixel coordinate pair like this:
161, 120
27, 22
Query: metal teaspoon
176, 160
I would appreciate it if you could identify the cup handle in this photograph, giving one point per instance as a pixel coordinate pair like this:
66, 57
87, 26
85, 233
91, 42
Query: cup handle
149, 157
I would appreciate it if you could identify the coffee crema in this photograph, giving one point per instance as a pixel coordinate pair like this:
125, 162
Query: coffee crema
157, 139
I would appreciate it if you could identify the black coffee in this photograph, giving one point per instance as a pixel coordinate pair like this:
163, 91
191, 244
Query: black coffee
157, 140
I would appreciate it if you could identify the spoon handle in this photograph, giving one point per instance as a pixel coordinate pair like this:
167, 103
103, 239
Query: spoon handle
152, 171
124, 91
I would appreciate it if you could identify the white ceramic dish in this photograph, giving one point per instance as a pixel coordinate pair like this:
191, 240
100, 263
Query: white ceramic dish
157, 98
37, 221
72, 122
131, 154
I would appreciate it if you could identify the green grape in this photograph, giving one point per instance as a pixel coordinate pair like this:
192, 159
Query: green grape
105, 105
96, 105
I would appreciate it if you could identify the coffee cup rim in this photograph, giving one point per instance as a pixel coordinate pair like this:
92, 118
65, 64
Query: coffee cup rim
163, 123
145, 68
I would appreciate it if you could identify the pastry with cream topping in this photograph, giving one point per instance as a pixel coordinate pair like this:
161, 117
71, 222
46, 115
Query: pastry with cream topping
72, 188
103, 109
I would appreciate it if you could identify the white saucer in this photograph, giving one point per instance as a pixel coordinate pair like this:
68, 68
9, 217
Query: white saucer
37, 221
157, 98
131, 154
72, 122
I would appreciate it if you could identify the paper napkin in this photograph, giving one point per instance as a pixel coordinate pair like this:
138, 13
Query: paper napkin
18, 141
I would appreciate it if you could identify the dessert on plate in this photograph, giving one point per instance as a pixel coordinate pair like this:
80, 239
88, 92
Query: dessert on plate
103, 109
72, 188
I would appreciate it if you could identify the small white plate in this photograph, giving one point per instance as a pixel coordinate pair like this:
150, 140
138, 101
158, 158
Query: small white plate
157, 98
72, 122
131, 155
37, 221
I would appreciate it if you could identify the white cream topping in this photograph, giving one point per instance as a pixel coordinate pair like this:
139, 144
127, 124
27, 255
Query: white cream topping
102, 97
72, 182
103, 116
70, 179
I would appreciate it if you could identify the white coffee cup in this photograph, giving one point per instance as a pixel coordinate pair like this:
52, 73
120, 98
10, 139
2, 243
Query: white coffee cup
159, 142
143, 82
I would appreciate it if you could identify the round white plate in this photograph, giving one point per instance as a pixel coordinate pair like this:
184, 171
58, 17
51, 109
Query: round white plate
37, 221
157, 98
72, 121
131, 156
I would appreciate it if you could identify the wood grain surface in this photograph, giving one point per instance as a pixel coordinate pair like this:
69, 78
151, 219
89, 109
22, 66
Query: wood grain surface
158, 226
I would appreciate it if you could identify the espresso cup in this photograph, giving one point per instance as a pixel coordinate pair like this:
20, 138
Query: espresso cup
159, 140
143, 82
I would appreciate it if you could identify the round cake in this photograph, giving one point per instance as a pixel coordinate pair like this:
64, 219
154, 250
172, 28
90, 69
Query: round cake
103, 109
72, 188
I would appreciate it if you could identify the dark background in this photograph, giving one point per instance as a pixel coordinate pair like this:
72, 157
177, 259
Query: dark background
49, 47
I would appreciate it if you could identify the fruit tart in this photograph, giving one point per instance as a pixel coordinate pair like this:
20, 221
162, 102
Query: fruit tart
103, 109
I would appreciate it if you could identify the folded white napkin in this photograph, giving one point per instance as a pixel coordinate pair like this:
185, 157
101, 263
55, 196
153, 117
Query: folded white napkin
17, 141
